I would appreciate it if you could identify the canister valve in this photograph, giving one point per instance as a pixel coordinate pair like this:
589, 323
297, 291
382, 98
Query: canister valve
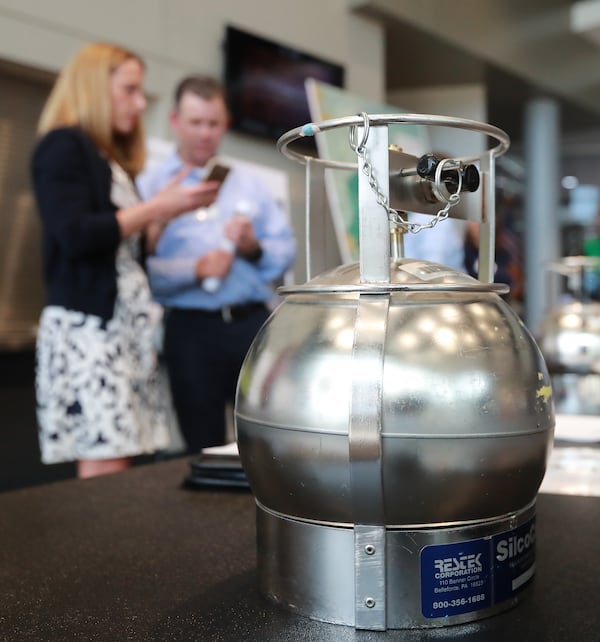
428, 164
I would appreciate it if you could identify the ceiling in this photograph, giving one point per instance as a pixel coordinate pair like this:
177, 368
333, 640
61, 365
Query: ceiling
517, 49
507, 93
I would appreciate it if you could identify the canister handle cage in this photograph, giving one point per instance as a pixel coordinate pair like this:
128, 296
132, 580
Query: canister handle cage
372, 150
310, 129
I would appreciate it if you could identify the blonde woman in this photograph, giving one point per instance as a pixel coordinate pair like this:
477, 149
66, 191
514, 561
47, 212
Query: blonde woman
98, 395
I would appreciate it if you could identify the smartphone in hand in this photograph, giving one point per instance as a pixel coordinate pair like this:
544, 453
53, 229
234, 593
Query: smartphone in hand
216, 170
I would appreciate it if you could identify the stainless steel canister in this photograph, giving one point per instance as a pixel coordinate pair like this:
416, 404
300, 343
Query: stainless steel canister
395, 434
569, 337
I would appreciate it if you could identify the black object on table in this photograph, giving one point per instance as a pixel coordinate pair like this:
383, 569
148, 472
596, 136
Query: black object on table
216, 471
137, 556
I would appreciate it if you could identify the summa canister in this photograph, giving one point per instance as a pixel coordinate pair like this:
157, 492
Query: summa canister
394, 416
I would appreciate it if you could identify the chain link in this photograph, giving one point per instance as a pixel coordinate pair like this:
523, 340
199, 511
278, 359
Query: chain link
394, 216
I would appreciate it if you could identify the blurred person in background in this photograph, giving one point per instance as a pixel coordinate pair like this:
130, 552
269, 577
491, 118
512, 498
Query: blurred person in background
98, 396
212, 268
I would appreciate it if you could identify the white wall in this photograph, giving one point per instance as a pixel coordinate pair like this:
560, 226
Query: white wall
461, 101
176, 37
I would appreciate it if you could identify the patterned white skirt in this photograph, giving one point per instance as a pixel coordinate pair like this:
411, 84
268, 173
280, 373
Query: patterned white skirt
99, 391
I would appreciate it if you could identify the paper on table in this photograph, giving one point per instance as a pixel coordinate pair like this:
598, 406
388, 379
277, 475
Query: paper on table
579, 428
227, 449
573, 471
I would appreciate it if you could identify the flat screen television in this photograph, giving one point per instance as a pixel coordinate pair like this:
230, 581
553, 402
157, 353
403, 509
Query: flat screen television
264, 82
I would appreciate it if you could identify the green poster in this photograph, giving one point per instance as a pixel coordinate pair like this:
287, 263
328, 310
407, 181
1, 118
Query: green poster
327, 102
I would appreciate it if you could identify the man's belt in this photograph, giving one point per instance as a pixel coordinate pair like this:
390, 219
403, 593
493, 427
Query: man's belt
228, 313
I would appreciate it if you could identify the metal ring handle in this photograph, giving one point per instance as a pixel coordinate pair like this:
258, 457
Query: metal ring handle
360, 147
437, 181
310, 129
384, 288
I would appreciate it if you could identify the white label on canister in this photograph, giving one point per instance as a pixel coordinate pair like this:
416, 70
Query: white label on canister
426, 271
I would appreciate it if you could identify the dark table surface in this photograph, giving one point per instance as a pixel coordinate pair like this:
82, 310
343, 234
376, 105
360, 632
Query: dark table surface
135, 556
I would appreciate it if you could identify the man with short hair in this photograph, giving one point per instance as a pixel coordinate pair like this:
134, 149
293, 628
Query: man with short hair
212, 269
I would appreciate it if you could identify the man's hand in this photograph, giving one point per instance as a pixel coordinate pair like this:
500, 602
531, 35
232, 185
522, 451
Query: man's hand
240, 231
215, 263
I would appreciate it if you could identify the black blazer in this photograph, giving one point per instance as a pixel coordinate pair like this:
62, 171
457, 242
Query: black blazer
80, 232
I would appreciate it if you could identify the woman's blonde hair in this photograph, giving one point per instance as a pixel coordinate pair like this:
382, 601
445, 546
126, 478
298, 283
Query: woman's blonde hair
80, 97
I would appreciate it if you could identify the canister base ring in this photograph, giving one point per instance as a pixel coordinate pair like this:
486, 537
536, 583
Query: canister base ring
433, 577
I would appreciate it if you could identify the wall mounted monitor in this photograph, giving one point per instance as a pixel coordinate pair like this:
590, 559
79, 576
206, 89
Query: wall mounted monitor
264, 81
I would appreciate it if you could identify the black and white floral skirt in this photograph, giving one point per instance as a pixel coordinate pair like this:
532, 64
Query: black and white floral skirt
99, 391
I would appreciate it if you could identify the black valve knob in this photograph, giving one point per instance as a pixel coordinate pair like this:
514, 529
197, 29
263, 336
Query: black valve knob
427, 166
470, 179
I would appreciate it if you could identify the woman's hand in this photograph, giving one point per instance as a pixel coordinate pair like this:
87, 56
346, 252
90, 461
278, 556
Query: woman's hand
174, 199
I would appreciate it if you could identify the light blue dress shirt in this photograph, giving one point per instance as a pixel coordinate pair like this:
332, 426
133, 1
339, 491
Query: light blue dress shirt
444, 243
171, 269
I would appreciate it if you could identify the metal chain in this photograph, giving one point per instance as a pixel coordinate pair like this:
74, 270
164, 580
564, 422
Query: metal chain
394, 216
